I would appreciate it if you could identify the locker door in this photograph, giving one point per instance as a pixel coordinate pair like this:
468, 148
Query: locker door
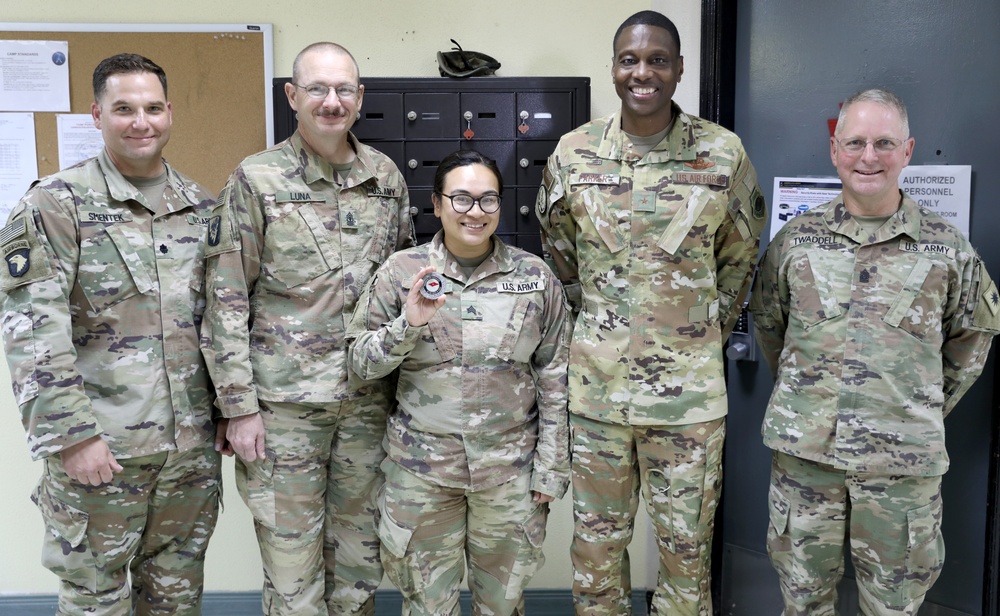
531, 159
430, 115
422, 159
544, 115
381, 116
490, 115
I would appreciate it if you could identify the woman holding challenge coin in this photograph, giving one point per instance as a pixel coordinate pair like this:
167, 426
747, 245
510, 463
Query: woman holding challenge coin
478, 444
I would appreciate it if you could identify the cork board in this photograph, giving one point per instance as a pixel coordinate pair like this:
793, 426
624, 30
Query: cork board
218, 84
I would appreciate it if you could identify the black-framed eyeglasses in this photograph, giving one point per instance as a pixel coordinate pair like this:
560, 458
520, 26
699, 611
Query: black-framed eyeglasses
318, 90
857, 144
462, 203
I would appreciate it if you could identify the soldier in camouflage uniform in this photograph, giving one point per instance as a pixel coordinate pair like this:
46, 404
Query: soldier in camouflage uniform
651, 218
875, 316
102, 305
479, 443
297, 233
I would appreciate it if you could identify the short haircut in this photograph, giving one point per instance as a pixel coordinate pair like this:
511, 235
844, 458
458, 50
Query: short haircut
322, 46
464, 158
648, 18
125, 64
878, 96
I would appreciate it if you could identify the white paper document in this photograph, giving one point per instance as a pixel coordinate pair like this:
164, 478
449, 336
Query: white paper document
78, 138
34, 75
18, 159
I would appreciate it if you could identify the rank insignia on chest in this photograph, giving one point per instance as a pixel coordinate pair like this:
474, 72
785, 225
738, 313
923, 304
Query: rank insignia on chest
644, 201
18, 262
348, 219
214, 230
471, 312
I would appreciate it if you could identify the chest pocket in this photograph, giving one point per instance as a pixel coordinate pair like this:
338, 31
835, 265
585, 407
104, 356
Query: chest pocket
917, 308
517, 326
385, 231
680, 227
598, 200
443, 339
112, 268
813, 298
301, 246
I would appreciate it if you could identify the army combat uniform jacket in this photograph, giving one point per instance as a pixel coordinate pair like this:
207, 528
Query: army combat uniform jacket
102, 307
872, 339
656, 254
482, 386
290, 249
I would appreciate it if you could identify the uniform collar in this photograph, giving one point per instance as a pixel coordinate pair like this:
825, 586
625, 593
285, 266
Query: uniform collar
121, 189
315, 167
905, 221
679, 144
501, 260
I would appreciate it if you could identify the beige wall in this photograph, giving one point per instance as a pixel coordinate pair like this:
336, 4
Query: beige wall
389, 38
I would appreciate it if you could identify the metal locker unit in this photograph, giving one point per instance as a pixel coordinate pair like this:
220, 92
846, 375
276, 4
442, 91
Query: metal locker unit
417, 121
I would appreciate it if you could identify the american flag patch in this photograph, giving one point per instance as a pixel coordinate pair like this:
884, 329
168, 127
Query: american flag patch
11, 231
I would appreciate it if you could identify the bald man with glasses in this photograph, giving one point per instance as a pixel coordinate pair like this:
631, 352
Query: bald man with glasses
296, 234
875, 316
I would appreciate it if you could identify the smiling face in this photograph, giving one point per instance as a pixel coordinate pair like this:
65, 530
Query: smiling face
324, 122
646, 70
467, 235
870, 177
135, 118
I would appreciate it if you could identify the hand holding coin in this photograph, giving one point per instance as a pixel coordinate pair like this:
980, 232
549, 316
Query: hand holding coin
426, 296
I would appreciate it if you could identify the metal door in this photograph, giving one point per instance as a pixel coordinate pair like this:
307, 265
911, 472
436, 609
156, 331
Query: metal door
795, 61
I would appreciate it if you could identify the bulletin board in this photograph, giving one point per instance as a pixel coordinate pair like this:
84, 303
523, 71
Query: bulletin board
218, 84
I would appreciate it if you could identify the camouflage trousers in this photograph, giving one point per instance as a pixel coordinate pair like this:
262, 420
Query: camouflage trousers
151, 523
894, 523
429, 532
313, 504
678, 469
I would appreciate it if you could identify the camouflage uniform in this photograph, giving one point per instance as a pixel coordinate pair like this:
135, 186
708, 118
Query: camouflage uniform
481, 422
656, 254
102, 305
290, 250
872, 339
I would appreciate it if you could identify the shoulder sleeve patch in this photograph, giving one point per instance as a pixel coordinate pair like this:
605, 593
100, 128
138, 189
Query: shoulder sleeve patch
550, 191
986, 315
24, 256
747, 205
221, 235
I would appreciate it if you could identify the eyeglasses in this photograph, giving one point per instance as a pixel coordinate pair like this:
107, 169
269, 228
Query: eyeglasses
462, 203
857, 144
318, 90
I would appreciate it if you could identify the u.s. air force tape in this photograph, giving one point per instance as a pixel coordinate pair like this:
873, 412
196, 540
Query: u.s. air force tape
433, 286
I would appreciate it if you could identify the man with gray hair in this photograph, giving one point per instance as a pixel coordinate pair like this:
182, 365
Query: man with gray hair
875, 316
297, 233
